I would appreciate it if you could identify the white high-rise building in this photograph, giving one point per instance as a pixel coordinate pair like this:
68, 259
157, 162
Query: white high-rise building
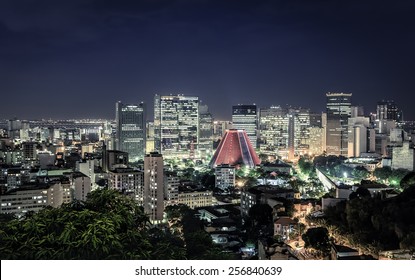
358, 136
154, 186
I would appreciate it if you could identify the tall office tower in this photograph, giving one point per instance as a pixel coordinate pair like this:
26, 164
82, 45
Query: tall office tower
338, 112
316, 146
274, 131
324, 127
205, 132
357, 111
235, 149
13, 128
316, 120
154, 186
299, 136
246, 117
291, 135
176, 125
358, 136
131, 130
219, 129
316, 134
387, 110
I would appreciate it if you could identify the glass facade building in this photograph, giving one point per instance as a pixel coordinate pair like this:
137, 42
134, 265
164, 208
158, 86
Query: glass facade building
176, 125
131, 130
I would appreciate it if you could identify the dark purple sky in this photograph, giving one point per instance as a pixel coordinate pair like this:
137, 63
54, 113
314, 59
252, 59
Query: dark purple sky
76, 58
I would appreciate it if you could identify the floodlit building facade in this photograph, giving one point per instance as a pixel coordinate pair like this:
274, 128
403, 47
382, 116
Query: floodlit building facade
176, 125
246, 117
154, 186
338, 112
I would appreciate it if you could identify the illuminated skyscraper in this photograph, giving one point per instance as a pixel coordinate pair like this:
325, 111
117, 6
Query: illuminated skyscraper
274, 131
205, 132
387, 110
284, 132
176, 125
131, 130
338, 112
246, 117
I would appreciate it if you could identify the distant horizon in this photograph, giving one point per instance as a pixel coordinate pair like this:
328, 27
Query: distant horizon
150, 113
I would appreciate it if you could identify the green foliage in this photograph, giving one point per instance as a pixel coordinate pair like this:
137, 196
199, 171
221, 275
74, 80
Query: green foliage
208, 179
408, 180
361, 192
317, 238
360, 173
383, 173
306, 167
408, 242
376, 224
396, 177
260, 214
107, 226
198, 243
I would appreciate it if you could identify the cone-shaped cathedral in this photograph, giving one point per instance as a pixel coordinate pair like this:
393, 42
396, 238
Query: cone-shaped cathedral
235, 149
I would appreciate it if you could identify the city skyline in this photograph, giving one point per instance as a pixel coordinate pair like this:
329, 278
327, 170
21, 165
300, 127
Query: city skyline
76, 59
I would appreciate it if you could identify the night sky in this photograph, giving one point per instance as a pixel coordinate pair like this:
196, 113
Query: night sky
76, 58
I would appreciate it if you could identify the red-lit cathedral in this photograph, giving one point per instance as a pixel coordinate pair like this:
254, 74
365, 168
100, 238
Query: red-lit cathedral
235, 149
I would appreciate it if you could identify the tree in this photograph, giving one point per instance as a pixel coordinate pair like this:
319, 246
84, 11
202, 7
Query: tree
360, 173
382, 173
408, 180
260, 214
361, 192
108, 225
305, 166
396, 176
317, 238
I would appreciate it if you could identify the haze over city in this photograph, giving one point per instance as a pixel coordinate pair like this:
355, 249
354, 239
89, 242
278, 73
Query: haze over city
75, 59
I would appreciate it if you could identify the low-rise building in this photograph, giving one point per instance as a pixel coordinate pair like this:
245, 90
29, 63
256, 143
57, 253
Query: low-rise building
225, 177
34, 197
195, 197
284, 226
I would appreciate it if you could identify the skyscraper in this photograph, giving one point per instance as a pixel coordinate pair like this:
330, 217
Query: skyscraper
358, 136
338, 112
387, 110
154, 186
131, 130
274, 131
176, 125
246, 117
205, 131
